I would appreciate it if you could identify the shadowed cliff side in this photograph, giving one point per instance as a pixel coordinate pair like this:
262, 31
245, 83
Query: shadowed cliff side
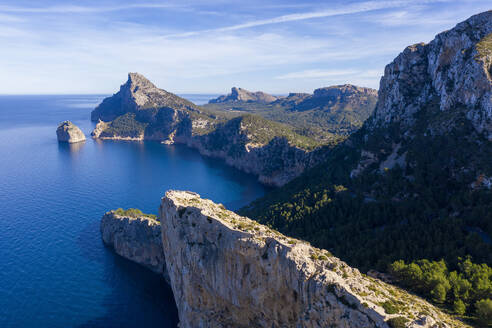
136, 238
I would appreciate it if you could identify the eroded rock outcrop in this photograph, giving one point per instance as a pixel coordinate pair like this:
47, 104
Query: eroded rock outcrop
137, 239
69, 132
229, 271
239, 94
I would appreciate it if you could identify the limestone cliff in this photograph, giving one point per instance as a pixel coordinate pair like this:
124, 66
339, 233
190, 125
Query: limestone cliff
229, 271
69, 132
442, 89
239, 94
135, 238
452, 73
269, 150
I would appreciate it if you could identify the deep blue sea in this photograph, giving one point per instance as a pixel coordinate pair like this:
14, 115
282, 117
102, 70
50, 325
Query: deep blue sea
54, 269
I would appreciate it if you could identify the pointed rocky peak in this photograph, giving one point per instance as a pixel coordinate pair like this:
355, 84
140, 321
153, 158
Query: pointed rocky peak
140, 81
137, 94
235, 91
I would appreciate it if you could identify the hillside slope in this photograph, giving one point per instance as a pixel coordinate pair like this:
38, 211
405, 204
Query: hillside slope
414, 182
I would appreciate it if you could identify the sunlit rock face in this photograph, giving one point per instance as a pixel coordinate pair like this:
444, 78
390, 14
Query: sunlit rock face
69, 132
452, 72
229, 271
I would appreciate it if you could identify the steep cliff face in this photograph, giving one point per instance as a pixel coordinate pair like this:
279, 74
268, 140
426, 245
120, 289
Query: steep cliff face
229, 271
239, 95
451, 73
438, 90
137, 239
271, 151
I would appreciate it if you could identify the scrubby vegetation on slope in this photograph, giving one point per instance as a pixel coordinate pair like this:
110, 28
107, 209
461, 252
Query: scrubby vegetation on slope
134, 213
484, 47
125, 126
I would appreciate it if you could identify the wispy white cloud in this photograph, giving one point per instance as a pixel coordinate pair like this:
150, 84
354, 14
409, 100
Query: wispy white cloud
320, 74
316, 74
415, 17
92, 52
10, 18
83, 9
345, 10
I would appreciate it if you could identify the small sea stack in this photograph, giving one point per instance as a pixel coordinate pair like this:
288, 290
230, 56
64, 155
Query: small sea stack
69, 132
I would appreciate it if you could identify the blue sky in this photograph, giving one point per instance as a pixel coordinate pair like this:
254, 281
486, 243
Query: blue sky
59, 47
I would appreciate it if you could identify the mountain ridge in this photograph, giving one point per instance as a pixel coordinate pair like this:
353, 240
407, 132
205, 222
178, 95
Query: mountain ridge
328, 115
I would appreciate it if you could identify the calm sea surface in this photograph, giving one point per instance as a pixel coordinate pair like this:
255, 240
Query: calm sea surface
54, 269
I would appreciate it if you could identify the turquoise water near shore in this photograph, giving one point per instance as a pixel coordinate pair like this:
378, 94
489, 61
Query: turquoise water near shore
54, 269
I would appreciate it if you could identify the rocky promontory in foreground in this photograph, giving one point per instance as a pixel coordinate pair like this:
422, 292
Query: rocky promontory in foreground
229, 271
69, 132
141, 111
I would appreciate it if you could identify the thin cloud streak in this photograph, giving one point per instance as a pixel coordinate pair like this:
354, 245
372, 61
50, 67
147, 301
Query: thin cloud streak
82, 9
324, 74
91, 52
315, 74
352, 9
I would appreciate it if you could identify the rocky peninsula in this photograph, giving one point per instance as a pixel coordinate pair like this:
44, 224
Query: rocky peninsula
69, 132
229, 271
141, 111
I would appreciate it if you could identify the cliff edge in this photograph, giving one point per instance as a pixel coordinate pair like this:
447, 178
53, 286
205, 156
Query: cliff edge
229, 271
